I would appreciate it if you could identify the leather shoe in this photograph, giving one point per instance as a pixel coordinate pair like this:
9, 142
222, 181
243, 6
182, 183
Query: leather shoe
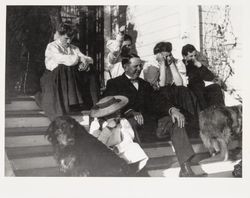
186, 171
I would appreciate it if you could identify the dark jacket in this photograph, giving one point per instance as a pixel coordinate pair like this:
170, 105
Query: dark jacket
144, 100
196, 76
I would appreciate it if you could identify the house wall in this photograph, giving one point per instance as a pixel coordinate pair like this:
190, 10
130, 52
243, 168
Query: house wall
180, 25
186, 24
151, 24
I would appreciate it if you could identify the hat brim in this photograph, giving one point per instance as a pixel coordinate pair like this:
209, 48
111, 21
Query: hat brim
96, 113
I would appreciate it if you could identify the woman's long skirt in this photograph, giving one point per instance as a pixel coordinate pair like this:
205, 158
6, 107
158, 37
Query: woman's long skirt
63, 88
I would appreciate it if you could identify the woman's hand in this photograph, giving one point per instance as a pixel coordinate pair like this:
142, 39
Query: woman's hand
83, 67
85, 63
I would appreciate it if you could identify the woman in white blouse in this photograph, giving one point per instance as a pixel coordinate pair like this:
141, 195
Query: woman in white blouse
65, 82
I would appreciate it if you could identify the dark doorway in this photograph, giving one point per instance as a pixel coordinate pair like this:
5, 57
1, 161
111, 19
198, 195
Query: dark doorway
92, 44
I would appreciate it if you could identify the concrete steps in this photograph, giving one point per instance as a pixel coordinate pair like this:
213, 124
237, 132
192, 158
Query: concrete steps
30, 154
215, 169
22, 103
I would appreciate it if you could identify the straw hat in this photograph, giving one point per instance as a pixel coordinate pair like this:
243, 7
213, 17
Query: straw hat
108, 105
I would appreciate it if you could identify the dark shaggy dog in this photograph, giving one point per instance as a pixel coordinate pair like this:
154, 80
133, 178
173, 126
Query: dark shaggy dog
218, 125
80, 154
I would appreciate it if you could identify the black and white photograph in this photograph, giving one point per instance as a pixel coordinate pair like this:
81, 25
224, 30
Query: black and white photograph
124, 91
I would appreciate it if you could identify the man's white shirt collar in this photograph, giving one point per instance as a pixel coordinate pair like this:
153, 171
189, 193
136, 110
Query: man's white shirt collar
136, 84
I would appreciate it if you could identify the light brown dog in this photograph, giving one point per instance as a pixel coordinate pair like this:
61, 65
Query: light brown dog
217, 126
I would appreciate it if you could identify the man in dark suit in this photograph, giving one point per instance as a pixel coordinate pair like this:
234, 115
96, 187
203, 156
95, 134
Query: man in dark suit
197, 73
146, 106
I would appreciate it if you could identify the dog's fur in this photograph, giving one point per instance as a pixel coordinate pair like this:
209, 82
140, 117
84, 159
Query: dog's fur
80, 154
218, 125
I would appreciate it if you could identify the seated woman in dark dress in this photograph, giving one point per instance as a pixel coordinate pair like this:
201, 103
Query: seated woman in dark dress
65, 82
167, 75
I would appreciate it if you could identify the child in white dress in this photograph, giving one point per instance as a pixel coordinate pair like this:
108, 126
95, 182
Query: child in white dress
116, 132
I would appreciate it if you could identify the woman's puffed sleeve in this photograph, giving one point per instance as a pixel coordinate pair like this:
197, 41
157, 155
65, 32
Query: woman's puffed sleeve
53, 57
83, 58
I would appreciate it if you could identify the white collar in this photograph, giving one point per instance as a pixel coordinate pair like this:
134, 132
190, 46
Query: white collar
58, 41
128, 76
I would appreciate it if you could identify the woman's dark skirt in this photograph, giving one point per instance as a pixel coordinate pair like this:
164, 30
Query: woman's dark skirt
63, 88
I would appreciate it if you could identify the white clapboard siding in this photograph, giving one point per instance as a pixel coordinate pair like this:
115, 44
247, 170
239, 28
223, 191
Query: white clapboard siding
174, 23
162, 24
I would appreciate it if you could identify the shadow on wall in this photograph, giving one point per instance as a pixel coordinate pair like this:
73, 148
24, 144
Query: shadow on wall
133, 33
130, 27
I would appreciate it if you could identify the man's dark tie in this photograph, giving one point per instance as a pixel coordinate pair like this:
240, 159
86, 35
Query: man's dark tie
169, 76
133, 80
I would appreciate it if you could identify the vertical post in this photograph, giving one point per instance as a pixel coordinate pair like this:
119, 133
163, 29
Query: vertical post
83, 30
200, 28
107, 36
122, 15
114, 20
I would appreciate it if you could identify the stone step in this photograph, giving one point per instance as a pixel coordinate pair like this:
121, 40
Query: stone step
164, 162
46, 165
30, 154
34, 145
24, 141
156, 150
54, 172
39, 172
20, 113
14, 122
33, 162
22, 103
215, 169
24, 156
37, 113
29, 151
223, 174
24, 131
31, 120
27, 131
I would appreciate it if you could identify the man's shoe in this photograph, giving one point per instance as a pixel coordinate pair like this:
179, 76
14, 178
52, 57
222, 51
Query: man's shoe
186, 171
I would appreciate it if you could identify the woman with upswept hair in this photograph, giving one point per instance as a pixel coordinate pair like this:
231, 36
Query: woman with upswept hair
65, 82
